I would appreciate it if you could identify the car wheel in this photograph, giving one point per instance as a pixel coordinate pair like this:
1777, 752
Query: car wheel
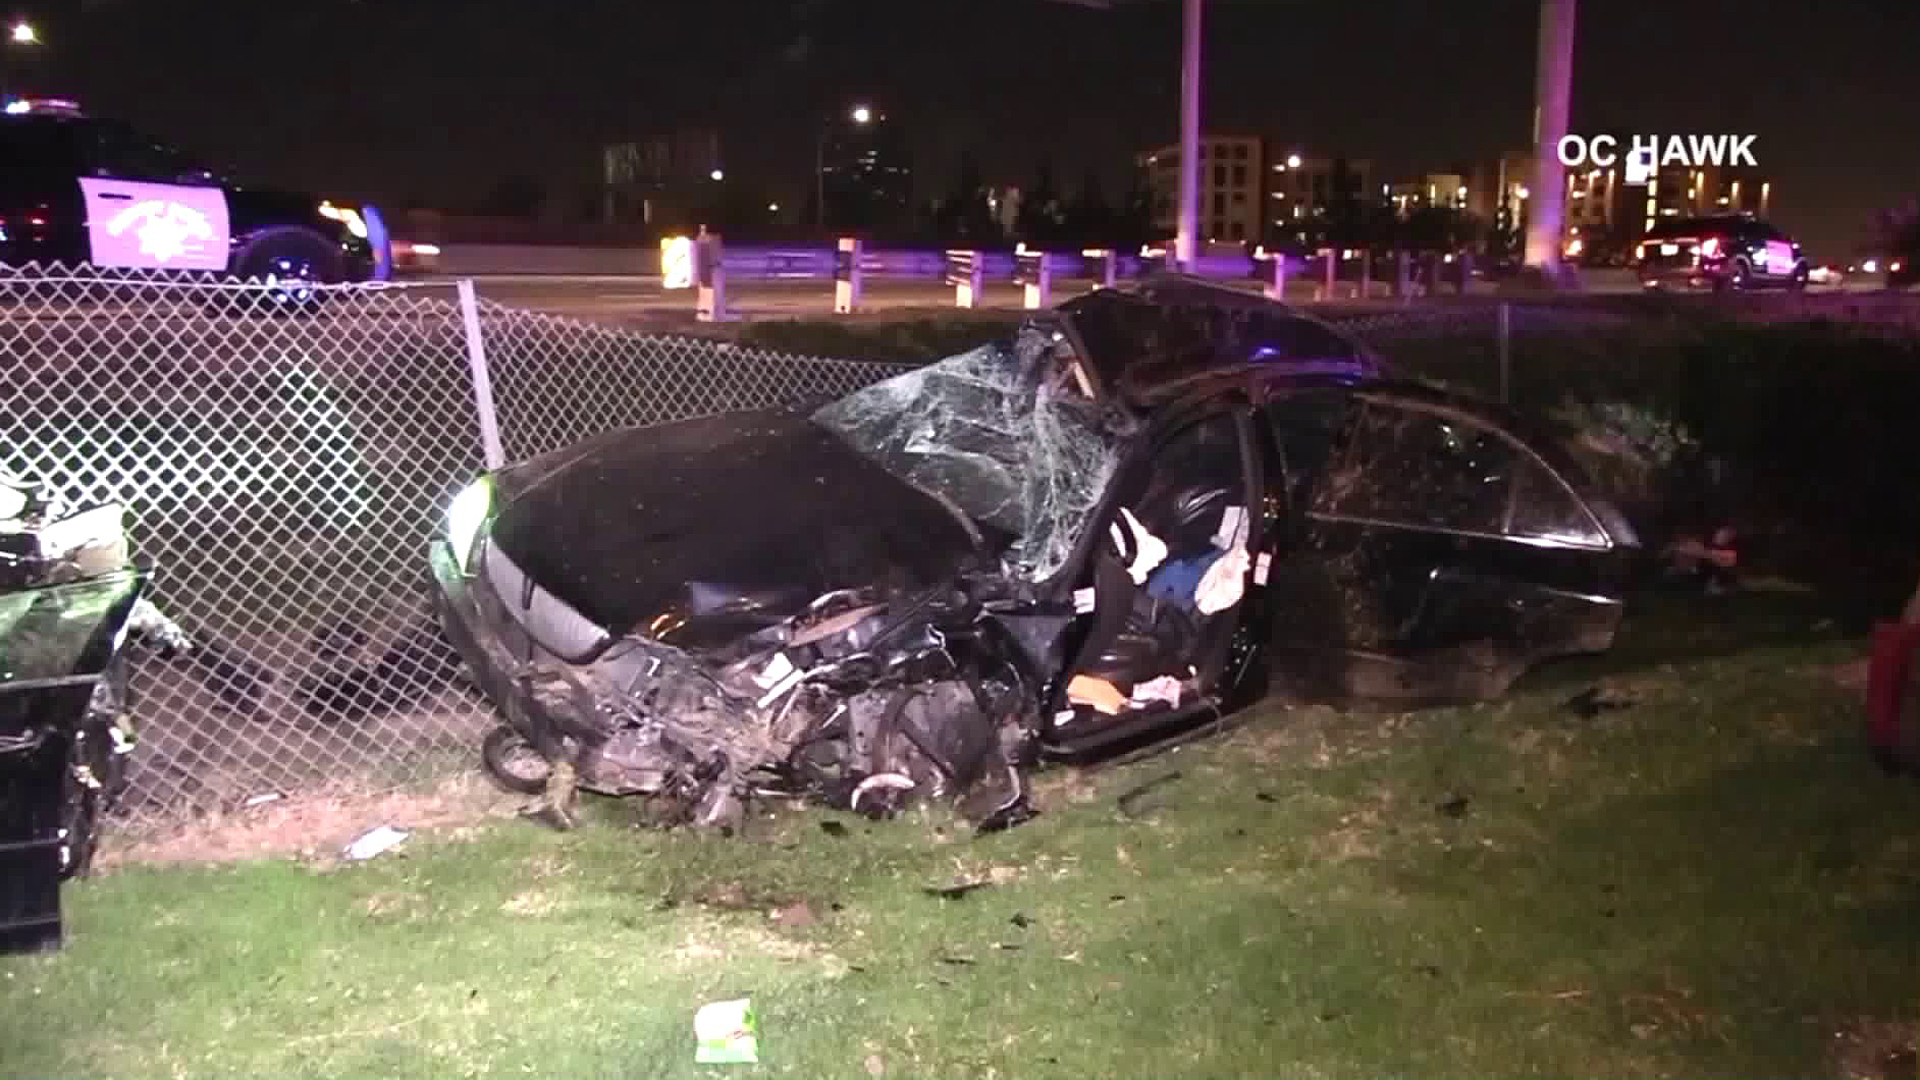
513, 763
1798, 282
1736, 279
289, 263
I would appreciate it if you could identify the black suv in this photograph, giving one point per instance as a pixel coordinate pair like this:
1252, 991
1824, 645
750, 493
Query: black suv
1725, 253
78, 189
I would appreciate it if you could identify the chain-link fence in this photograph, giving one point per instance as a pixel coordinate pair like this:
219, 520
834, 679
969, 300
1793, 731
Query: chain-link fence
285, 460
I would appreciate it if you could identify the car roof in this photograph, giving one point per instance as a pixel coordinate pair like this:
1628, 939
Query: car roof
1703, 223
1157, 337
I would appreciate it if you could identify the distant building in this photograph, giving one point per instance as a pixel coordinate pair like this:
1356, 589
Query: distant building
1447, 190
1302, 191
1230, 188
656, 179
866, 172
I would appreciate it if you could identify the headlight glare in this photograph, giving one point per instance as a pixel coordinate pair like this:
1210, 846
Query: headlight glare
465, 515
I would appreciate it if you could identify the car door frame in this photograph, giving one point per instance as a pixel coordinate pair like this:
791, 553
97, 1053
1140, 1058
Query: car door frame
1236, 657
1566, 579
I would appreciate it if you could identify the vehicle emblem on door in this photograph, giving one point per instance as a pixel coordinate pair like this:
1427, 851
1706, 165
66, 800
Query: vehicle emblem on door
164, 229
159, 226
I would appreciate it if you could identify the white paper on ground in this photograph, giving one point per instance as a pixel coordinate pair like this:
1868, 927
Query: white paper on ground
375, 841
1083, 600
1261, 567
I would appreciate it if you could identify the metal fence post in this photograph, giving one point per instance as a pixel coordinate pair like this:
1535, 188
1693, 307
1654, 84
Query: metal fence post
1504, 337
1366, 272
1332, 255
490, 446
1105, 261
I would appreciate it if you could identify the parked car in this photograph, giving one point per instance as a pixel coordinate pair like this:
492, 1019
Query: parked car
1091, 538
1727, 252
81, 189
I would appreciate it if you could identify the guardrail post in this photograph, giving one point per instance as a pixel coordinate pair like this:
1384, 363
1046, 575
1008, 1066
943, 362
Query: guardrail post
711, 305
1465, 261
1504, 344
1402, 285
1366, 272
1034, 273
846, 275
1275, 287
963, 273
1106, 264
1333, 268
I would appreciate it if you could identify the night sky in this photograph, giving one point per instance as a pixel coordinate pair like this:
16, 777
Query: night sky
401, 100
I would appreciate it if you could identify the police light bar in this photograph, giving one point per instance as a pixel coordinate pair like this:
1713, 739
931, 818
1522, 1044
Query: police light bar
43, 106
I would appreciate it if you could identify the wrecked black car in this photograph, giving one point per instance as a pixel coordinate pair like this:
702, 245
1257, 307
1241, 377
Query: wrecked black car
1095, 537
71, 610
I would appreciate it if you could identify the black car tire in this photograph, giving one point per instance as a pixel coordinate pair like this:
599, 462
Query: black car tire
1738, 276
288, 254
1798, 282
499, 751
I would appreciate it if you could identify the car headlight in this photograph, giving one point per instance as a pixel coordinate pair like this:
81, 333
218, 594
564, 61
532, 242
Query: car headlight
465, 515
347, 216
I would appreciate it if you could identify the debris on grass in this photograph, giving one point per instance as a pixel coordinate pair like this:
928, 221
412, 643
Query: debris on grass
1595, 700
375, 842
834, 829
1132, 797
727, 1033
955, 891
1455, 807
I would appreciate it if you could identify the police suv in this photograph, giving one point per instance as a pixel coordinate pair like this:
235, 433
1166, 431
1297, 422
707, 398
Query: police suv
80, 189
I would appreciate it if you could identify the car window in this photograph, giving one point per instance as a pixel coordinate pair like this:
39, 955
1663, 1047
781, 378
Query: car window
1408, 466
1543, 509
1307, 429
121, 152
37, 144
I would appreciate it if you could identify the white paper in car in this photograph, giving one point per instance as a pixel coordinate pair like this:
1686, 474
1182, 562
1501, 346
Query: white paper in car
1224, 582
778, 668
1149, 550
1083, 600
1233, 528
1166, 688
1261, 566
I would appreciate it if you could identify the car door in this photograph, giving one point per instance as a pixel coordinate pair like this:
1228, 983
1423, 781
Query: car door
1437, 554
147, 207
1779, 249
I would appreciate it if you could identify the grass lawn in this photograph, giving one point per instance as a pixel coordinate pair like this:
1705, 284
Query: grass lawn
1711, 882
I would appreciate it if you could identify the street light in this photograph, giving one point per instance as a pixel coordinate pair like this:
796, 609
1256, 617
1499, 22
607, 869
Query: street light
1293, 161
717, 175
862, 114
23, 33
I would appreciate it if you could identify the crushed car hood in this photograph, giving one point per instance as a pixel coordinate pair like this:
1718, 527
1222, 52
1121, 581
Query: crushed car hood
697, 532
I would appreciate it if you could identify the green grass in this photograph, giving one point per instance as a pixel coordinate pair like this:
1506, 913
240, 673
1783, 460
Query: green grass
1709, 883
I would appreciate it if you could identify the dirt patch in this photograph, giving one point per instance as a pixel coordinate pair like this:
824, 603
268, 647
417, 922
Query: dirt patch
315, 824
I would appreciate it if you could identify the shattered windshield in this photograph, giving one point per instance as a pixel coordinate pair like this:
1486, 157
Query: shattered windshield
998, 431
